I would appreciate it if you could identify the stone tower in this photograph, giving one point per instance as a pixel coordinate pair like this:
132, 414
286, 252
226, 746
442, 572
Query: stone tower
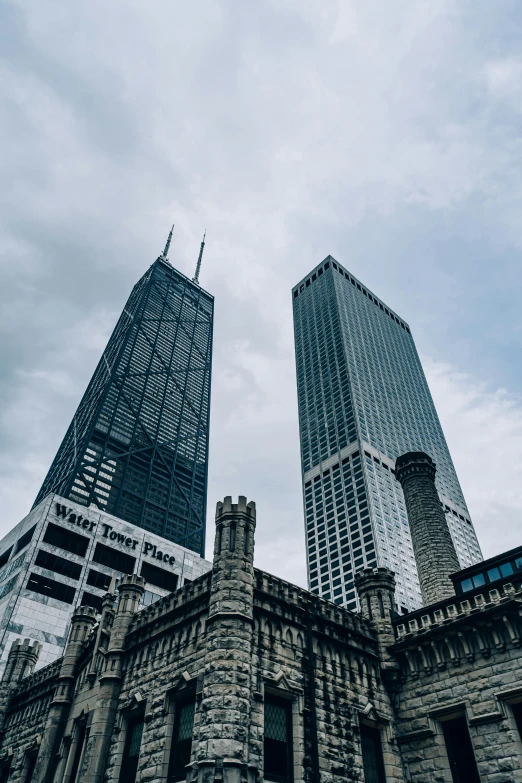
21, 660
222, 749
130, 590
376, 589
82, 622
432, 543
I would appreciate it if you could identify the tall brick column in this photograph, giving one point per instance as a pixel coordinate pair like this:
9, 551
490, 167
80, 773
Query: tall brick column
222, 742
130, 590
432, 543
82, 622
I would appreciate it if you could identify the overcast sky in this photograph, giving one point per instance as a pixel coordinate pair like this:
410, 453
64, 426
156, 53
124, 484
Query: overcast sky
387, 134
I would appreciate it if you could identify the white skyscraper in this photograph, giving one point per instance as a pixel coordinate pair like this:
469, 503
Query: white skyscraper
363, 401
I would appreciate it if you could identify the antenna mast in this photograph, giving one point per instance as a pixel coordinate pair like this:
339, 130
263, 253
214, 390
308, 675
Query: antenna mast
167, 246
195, 279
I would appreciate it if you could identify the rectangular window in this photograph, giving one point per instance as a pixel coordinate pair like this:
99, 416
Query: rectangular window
97, 579
89, 599
371, 748
517, 712
460, 751
5, 768
81, 731
111, 558
278, 739
181, 747
66, 539
49, 587
58, 564
131, 752
4, 557
24, 540
159, 577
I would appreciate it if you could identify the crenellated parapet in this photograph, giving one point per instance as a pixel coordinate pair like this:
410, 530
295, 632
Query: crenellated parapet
161, 610
271, 590
459, 630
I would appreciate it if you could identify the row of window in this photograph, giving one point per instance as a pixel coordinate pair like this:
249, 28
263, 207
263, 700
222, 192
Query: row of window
104, 555
361, 288
491, 575
20, 544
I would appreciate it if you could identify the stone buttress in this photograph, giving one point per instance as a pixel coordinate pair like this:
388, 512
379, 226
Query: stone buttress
222, 741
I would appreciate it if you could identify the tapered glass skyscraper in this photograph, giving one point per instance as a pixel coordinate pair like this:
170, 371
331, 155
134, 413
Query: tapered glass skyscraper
363, 401
137, 446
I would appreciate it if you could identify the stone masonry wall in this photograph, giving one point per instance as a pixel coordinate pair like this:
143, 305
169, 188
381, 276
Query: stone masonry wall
462, 659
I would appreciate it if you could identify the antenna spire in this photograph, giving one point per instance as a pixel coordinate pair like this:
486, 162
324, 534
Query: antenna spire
195, 279
166, 251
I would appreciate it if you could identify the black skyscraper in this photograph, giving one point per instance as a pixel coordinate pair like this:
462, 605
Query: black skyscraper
137, 446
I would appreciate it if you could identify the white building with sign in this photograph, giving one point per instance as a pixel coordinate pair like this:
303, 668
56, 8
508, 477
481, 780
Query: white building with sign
63, 555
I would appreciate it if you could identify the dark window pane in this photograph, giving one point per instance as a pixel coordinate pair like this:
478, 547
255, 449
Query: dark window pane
29, 769
58, 564
277, 739
66, 539
111, 558
159, 577
24, 540
131, 751
97, 579
460, 751
4, 771
182, 739
4, 557
52, 589
517, 712
506, 569
89, 599
81, 732
373, 762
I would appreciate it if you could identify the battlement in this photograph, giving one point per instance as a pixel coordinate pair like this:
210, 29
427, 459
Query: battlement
226, 507
302, 599
452, 609
27, 646
84, 612
43, 675
189, 592
131, 581
380, 575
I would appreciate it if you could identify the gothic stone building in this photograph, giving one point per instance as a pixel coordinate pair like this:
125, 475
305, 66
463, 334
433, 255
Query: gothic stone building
240, 677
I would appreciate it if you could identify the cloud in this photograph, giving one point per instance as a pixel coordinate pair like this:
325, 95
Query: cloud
380, 133
483, 427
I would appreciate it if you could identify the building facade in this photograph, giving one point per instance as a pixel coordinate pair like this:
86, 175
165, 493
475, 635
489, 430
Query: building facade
137, 447
363, 400
241, 677
62, 555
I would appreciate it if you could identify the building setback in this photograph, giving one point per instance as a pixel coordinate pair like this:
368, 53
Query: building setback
241, 677
363, 400
62, 555
137, 446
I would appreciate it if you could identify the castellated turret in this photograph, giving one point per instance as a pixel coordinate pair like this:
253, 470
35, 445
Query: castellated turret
227, 679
